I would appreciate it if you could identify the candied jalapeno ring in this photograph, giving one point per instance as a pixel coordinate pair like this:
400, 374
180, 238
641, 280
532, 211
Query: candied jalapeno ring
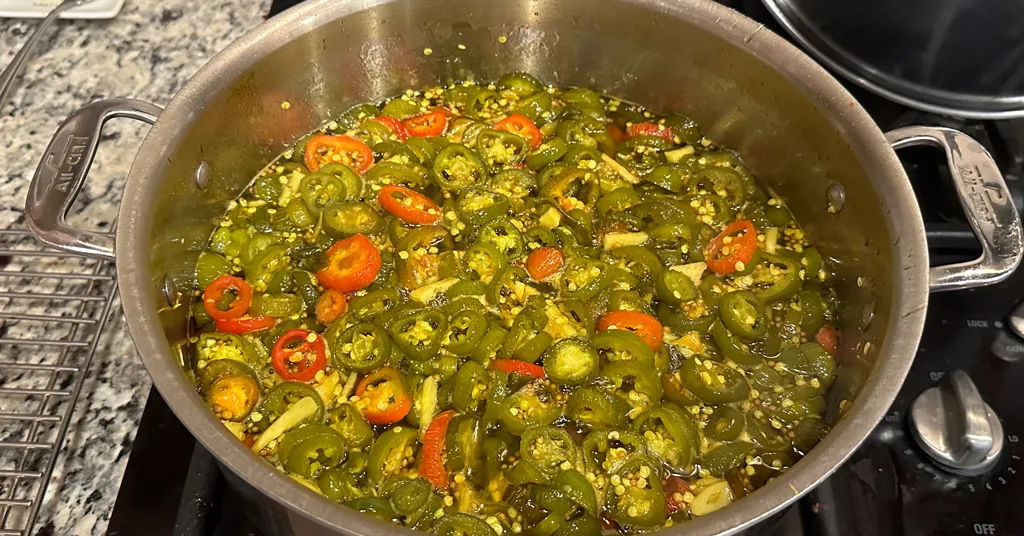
527, 340
473, 386
516, 184
463, 445
597, 408
419, 335
643, 501
490, 345
281, 397
373, 303
546, 153
459, 524
622, 345
725, 424
537, 107
713, 382
675, 287
299, 354
726, 456
606, 451
216, 346
744, 314
639, 260
320, 189
389, 453
537, 403
519, 84
583, 278
349, 422
670, 435
639, 386
346, 218
362, 347
733, 347
548, 447
507, 289
501, 234
571, 362
465, 330
310, 449
476, 206
775, 278
499, 149
457, 166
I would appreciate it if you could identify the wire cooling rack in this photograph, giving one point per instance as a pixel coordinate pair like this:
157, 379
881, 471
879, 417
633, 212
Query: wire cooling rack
53, 308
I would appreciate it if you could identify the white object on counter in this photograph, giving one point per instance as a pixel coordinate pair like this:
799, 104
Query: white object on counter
37, 9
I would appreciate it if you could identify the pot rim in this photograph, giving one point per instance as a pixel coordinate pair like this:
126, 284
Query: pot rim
903, 217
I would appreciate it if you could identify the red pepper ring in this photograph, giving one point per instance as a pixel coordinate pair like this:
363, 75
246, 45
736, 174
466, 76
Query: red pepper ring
216, 291
427, 125
521, 125
322, 150
432, 463
383, 396
643, 325
508, 366
727, 256
409, 205
298, 355
245, 324
395, 125
352, 264
650, 129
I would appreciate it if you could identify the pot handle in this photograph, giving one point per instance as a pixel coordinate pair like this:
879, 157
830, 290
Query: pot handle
986, 202
62, 172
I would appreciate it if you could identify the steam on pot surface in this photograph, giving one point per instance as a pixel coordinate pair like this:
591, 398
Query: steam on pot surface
514, 307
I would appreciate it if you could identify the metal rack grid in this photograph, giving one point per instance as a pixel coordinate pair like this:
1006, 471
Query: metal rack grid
53, 308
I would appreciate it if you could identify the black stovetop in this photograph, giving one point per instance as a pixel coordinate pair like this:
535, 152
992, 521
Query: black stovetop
887, 488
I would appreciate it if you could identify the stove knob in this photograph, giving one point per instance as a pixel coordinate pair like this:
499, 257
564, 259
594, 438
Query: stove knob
955, 427
1016, 320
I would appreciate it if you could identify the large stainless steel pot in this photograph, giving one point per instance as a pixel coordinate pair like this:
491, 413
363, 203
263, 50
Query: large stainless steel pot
791, 121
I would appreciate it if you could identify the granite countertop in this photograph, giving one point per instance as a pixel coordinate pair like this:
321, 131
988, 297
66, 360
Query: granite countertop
148, 52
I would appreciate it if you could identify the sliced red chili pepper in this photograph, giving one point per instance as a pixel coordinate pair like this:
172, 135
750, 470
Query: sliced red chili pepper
217, 292
322, 150
409, 205
732, 248
521, 125
543, 262
432, 463
650, 129
298, 355
616, 133
330, 306
828, 337
383, 398
645, 326
352, 264
508, 366
245, 324
427, 125
675, 488
395, 125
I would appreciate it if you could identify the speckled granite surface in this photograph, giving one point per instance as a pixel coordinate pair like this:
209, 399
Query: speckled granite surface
148, 51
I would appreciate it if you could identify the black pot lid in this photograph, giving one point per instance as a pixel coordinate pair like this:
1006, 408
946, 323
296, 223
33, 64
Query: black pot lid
957, 57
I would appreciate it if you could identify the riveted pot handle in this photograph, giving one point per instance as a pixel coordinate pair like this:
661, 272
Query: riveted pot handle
62, 172
986, 201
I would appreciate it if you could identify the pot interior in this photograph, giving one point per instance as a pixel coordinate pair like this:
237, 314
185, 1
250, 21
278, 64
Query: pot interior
749, 90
